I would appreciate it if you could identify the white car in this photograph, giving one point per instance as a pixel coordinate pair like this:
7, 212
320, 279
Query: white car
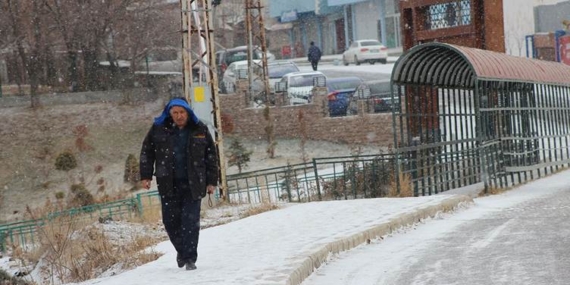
371, 51
231, 75
300, 86
277, 70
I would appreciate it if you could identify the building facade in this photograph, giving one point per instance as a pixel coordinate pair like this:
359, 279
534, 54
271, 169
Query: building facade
334, 24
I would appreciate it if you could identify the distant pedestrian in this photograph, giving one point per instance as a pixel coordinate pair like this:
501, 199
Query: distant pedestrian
314, 55
180, 152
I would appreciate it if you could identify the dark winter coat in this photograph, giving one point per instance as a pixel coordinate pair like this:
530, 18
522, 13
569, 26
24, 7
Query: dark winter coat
314, 53
157, 151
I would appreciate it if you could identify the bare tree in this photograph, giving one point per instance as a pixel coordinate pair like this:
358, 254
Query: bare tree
152, 26
102, 16
26, 30
84, 27
66, 17
228, 16
34, 32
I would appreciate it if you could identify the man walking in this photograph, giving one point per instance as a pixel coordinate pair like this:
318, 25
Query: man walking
180, 152
314, 55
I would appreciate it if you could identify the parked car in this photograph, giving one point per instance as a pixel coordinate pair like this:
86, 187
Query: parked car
231, 75
371, 51
276, 70
226, 57
381, 97
300, 85
341, 92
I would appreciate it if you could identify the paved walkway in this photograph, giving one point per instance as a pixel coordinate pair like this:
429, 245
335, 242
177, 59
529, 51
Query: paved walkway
285, 246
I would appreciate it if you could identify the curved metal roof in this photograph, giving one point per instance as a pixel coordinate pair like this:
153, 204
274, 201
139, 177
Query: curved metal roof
458, 66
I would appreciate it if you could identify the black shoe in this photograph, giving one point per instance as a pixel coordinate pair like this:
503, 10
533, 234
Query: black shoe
180, 261
190, 265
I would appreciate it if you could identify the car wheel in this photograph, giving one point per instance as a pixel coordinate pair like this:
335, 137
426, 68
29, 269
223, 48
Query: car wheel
383, 61
372, 62
344, 61
356, 60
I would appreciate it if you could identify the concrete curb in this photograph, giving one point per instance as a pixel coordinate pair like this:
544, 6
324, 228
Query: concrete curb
317, 258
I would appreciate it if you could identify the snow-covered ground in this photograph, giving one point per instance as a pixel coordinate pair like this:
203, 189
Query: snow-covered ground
363, 68
517, 237
269, 247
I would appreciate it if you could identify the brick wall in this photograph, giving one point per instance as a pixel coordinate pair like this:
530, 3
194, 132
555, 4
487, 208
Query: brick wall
358, 129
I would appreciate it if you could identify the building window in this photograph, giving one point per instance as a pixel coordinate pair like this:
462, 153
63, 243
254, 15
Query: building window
447, 15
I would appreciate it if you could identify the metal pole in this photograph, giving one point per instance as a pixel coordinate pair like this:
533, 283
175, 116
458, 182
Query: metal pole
250, 47
256, 43
213, 82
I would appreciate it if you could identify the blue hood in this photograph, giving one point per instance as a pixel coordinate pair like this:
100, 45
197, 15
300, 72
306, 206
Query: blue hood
175, 102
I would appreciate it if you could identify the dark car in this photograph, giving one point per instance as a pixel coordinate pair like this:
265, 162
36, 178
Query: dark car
381, 97
340, 93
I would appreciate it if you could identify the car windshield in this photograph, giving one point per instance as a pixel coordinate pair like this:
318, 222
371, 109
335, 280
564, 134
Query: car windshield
344, 84
370, 43
277, 71
238, 55
303, 80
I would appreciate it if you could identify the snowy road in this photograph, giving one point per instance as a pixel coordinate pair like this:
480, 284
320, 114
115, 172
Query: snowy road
520, 237
366, 71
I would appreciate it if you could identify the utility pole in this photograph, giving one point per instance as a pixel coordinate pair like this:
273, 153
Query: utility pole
256, 43
199, 56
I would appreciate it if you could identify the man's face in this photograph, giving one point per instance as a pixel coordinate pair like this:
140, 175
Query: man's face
179, 116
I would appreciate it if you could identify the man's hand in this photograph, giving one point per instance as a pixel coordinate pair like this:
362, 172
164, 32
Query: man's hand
146, 183
210, 189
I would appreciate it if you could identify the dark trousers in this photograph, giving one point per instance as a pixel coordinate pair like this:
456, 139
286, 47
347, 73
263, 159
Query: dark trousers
181, 218
314, 65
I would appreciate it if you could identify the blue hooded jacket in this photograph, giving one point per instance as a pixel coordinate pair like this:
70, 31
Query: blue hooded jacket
180, 102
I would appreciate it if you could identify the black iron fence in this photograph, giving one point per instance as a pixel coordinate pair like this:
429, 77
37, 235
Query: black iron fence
347, 177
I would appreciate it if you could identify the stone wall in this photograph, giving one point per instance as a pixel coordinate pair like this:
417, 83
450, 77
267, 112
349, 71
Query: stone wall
363, 128
113, 96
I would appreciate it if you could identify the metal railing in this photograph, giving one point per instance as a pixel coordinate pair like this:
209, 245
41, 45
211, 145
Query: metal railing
346, 177
24, 232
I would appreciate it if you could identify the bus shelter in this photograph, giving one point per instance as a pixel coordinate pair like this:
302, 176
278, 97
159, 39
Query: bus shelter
466, 116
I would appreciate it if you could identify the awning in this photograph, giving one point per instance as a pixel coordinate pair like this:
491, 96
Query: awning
280, 26
450, 65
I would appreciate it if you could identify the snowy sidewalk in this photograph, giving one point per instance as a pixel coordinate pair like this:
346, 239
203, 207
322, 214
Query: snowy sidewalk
284, 246
336, 59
